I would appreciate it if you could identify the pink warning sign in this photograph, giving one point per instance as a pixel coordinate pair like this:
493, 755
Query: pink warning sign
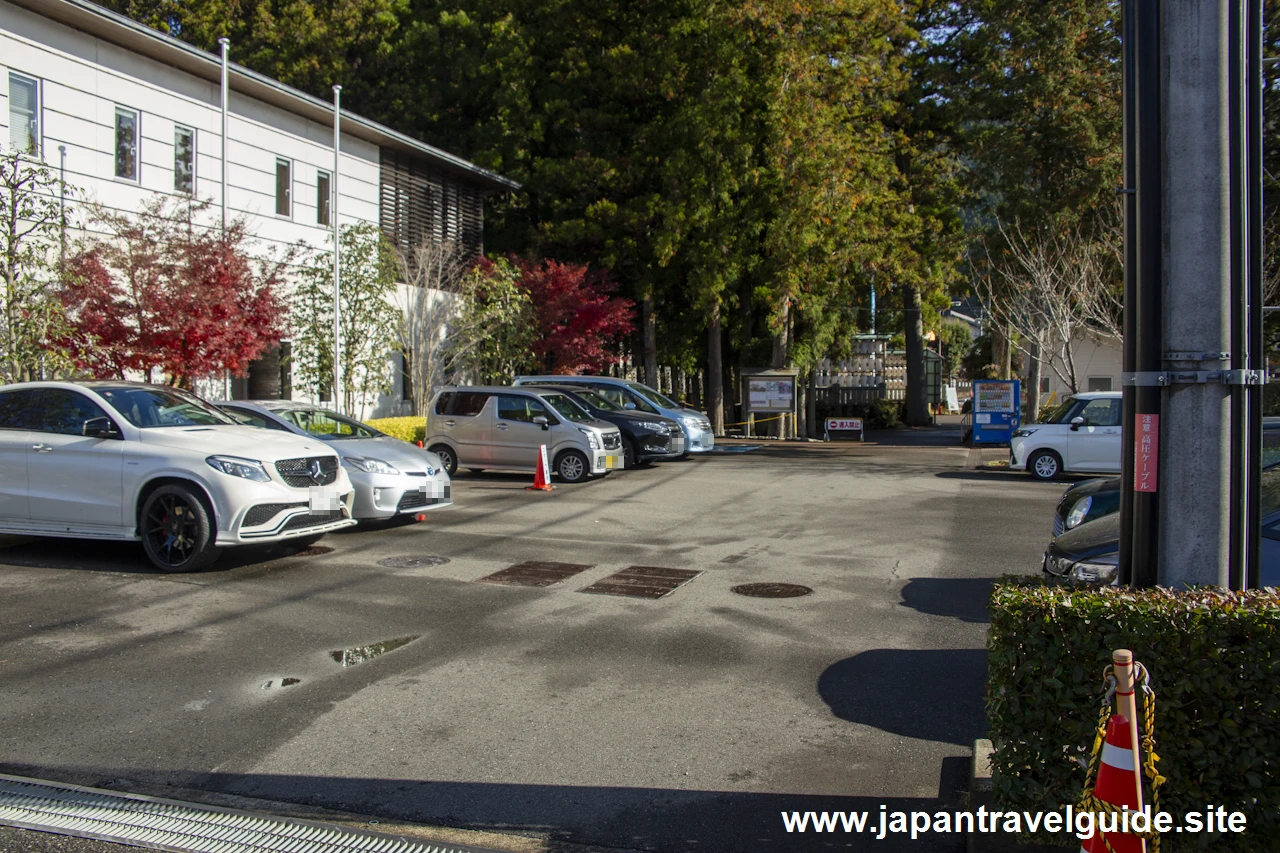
1146, 453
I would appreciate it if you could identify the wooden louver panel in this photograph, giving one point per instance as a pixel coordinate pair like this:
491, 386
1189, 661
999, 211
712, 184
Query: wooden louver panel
418, 201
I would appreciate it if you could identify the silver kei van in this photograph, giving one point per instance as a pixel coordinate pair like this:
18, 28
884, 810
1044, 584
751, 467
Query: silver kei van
634, 396
501, 428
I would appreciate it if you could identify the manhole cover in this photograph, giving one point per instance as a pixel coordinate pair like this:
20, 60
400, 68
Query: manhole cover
413, 562
314, 551
771, 590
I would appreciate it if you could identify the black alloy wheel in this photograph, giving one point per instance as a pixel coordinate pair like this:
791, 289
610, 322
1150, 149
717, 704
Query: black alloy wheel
629, 459
177, 530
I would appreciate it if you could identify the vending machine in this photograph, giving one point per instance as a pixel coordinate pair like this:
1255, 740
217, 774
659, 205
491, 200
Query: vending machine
997, 410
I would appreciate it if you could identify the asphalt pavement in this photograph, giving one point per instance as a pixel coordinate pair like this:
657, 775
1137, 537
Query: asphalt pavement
686, 722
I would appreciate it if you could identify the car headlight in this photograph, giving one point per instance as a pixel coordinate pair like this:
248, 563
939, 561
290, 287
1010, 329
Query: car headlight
369, 465
1079, 511
1023, 432
653, 427
1100, 569
592, 441
249, 469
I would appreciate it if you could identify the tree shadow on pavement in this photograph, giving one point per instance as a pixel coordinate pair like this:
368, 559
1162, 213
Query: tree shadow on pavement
932, 694
960, 598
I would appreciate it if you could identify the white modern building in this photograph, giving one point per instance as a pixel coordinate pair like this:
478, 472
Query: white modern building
129, 112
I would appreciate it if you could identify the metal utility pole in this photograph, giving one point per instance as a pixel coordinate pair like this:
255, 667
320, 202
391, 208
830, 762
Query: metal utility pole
337, 251
1193, 310
226, 44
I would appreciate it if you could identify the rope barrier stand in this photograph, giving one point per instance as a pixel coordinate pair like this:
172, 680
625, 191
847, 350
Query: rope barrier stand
1122, 679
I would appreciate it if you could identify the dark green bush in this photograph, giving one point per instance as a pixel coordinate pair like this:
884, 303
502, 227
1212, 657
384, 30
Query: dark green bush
1271, 399
1214, 659
878, 414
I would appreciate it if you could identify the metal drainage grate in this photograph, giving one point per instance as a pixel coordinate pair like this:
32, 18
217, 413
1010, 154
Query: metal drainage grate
172, 825
535, 573
360, 654
771, 590
413, 562
642, 582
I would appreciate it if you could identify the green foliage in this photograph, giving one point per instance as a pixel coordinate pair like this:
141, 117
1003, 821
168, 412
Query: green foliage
495, 325
411, 429
1271, 399
369, 318
31, 313
1214, 659
878, 414
956, 342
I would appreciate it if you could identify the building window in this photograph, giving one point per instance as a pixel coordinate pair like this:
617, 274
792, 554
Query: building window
24, 113
323, 200
284, 187
184, 160
1044, 385
126, 144
1099, 383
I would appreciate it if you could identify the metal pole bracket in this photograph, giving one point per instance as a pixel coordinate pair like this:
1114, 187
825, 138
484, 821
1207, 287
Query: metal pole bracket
1165, 378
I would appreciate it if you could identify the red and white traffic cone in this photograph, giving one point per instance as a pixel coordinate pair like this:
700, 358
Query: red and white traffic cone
1117, 785
540, 477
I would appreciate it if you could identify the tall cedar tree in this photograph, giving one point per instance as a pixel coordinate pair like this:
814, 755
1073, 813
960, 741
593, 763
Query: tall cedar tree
164, 292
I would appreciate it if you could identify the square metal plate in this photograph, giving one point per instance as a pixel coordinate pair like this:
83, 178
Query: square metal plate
534, 573
642, 582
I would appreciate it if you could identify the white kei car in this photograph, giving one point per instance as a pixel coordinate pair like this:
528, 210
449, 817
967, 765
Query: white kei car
1080, 436
132, 461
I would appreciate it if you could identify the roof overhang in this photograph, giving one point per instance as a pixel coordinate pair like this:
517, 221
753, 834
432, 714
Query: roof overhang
107, 25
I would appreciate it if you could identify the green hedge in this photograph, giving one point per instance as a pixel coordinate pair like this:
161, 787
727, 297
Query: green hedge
1214, 659
878, 414
409, 429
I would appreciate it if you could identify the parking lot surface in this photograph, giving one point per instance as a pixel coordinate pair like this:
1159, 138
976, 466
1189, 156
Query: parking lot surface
394, 676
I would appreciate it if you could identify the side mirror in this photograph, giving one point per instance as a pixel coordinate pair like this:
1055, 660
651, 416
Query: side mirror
541, 421
629, 406
99, 428
1076, 423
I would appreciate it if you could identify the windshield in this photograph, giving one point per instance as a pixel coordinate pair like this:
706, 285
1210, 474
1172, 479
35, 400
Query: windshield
1060, 414
327, 426
158, 406
566, 408
646, 391
602, 403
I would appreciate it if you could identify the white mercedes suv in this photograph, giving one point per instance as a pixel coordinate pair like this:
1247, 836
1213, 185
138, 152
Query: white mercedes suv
132, 461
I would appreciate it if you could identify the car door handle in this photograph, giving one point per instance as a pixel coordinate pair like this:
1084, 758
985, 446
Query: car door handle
42, 448
450, 423
500, 426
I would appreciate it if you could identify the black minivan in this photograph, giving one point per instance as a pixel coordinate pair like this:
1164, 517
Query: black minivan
645, 437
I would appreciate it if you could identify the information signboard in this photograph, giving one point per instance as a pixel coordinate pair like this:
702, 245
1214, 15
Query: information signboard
771, 393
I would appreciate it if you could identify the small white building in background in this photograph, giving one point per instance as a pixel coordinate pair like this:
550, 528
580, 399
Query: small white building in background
1098, 364
130, 113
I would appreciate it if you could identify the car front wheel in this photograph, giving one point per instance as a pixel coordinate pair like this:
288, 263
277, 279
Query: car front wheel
572, 466
1044, 465
447, 459
628, 453
177, 530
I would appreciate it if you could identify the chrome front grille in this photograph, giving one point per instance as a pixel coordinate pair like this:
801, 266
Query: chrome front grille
308, 471
1058, 526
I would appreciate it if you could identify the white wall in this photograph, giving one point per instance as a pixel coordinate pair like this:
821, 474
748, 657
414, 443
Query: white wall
1096, 357
83, 80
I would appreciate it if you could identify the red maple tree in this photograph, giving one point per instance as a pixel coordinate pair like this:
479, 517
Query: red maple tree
163, 293
582, 325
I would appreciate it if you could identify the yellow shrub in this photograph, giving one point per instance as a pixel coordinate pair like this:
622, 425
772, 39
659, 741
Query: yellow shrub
408, 429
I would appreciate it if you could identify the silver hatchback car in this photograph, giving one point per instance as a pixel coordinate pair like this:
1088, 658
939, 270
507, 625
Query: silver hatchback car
498, 427
391, 477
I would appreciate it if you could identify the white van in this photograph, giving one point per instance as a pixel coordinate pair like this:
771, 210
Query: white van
1080, 436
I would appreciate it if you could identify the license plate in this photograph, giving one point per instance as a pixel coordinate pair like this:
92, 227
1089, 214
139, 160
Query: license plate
610, 462
324, 500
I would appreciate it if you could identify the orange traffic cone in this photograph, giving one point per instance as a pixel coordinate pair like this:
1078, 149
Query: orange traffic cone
1117, 785
540, 476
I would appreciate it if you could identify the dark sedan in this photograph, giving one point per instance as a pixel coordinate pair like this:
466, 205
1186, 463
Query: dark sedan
1099, 496
1091, 551
645, 437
